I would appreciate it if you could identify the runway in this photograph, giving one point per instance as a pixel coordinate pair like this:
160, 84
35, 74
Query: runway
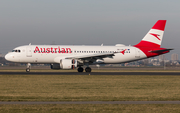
95, 102
92, 73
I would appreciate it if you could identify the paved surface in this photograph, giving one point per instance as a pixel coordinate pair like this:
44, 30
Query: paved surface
92, 73
98, 102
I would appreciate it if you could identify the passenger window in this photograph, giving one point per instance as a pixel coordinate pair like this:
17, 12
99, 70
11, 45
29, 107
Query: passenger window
19, 51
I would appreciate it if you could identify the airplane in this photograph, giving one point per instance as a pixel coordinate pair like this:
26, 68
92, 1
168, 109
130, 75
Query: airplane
72, 57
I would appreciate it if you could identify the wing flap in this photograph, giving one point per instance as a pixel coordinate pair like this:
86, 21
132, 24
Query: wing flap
95, 56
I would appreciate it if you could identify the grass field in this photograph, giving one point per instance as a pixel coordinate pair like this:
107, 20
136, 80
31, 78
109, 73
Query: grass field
89, 108
89, 88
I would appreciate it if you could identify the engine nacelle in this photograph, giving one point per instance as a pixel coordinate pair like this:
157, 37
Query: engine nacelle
68, 64
65, 64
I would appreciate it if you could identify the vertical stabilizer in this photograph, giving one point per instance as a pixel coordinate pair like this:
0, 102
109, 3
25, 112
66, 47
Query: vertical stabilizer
154, 37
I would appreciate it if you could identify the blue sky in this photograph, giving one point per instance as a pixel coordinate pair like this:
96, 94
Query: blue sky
85, 22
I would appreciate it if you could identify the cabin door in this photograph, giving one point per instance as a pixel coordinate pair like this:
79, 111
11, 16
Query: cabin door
28, 52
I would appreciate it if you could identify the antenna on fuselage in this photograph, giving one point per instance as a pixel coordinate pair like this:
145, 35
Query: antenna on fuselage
29, 44
102, 44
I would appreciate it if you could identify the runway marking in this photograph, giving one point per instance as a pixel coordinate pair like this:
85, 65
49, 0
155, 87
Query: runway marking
96, 102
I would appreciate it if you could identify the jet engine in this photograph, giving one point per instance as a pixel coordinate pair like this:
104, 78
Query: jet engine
65, 64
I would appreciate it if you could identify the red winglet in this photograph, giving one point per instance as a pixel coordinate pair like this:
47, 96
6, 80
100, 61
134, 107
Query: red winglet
160, 25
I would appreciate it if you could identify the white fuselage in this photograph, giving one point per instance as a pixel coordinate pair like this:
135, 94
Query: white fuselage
53, 53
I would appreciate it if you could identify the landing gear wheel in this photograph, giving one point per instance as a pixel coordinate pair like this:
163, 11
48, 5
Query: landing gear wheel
88, 69
28, 67
28, 70
80, 69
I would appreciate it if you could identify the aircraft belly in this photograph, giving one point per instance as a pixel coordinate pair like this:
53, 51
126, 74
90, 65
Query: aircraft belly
119, 58
135, 54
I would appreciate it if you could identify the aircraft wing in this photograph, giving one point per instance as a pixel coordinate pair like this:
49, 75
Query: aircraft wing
92, 57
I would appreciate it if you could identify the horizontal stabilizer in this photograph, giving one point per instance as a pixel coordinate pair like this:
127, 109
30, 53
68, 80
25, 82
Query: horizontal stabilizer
160, 51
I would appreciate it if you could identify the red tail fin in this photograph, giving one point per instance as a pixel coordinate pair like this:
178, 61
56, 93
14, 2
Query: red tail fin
154, 37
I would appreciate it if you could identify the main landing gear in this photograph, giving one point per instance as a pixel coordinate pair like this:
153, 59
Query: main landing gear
28, 67
87, 69
80, 69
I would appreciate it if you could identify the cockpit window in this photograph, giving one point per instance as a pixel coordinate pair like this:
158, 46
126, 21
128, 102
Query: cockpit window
16, 51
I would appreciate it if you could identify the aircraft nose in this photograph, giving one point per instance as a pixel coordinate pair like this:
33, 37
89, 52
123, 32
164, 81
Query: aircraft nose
8, 57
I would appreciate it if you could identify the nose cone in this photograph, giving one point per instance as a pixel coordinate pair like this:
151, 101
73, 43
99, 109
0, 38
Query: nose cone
13, 57
8, 57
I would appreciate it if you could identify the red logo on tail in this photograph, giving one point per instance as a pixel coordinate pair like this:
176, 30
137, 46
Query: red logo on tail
156, 35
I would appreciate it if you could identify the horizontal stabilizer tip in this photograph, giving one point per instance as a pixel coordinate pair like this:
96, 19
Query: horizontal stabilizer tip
160, 51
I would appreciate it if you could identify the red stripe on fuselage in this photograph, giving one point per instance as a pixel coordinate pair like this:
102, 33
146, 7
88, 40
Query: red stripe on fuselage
146, 44
148, 53
146, 47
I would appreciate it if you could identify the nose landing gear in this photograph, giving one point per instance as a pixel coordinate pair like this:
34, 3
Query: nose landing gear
28, 67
